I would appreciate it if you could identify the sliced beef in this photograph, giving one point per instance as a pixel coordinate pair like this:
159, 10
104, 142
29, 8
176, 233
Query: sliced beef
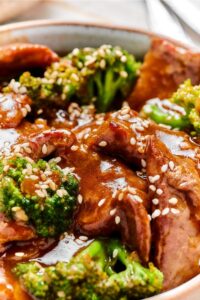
23, 56
125, 134
165, 67
112, 199
175, 194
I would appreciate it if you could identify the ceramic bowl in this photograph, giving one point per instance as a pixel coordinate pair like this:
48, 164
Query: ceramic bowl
62, 36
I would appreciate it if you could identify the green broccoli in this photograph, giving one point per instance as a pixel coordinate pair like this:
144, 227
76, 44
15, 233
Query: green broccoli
85, 75
181, 111
40, 194
103, 270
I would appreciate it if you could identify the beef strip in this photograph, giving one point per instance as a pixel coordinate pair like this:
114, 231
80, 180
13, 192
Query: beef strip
165, 67
125, 134
175, 213
23, 56
113, 199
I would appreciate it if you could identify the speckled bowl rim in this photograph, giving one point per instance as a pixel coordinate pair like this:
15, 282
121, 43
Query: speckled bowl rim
187, 288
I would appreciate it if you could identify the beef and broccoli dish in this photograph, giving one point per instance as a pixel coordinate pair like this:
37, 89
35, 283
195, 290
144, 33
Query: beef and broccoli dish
99, 172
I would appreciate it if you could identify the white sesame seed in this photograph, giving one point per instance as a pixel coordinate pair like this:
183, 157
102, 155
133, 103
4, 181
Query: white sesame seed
115, 253
132, 190
120, 196
114, 194
101, 202
165, 211
103, 144
124, 74
164, 168
74, 147
149, 217
143, 163
132, 141
24, 112
159, 191
152, 187
153, 179
113, 211
6, 168
83, 238
175, 211
52, 184
80, 198
156, 213
44, 149
171, 165
19, 254
123, 58
102, 64
173, 200
33, 177
40, 193
155, 201
61, 294
137, 198
27, 106
117, 220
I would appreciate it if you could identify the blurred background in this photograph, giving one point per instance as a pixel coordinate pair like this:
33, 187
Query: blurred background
178, 19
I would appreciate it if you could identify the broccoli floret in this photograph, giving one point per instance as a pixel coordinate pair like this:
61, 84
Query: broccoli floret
103, 270
26, 194
85, 75
181, 111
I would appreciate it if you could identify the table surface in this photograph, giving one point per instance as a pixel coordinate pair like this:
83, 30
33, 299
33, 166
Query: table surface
132, 13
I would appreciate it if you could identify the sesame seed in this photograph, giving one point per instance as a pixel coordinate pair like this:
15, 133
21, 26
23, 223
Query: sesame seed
164, 168
137, 198
40, 193
24, 112
123, 58
44, 149
74, 147
120, 196
61, 294
173, 200
27, 106
80, 198
149, 217
117, 220
52, 184
125, 111
101, 202
83, 238
155, 201
19, 254
113, 211
103, 144
102, 64
40, 111
159, 191
165, 211
124, 74
114, 194
6, 168
115, 253
131, 190
33, 177
61, 192
16, 208
171, 165
153, 179
156, 213
152, 187
175, 211
143, 163
132, 141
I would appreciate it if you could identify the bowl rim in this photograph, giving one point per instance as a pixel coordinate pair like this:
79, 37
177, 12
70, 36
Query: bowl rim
193, 283
60, 22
